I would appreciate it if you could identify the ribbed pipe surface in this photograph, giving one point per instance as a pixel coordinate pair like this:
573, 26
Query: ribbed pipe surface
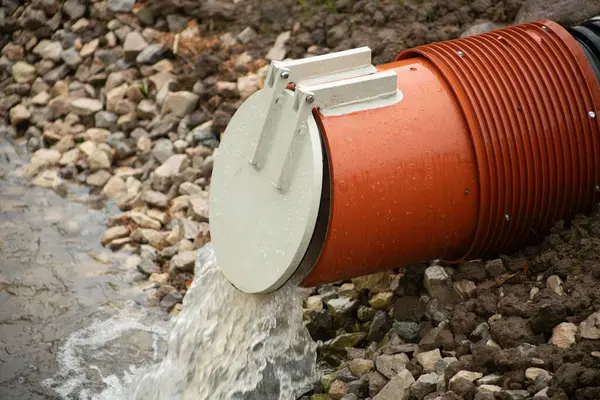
531, 101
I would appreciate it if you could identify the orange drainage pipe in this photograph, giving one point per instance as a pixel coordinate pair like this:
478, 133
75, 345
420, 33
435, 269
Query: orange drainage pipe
495, 139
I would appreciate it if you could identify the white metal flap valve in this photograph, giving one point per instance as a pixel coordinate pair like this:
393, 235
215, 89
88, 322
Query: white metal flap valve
268, 173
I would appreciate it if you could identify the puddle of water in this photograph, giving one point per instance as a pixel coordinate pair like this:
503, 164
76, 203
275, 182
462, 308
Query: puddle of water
226, 344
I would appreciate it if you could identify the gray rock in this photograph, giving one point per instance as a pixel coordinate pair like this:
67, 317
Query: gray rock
376, 382
148, 252
183, 262
170, 300
32, 18
164, 175
74, 8
341, 306
566, 12
517, 394
162, 150
121, 5
429, 359
391, 365
56, 74
134, 45
154, 198
492, 379
380, 325
147, 267
407, 330
439, 284
151, 54
105, 119
48, 50
71, 57
146, 109
176, 22
398, 388
427, 383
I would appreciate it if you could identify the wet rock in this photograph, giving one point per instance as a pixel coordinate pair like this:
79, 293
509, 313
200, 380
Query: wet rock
429, 359
381, 301
360, 367
590, 328
180, 103
427, 383
134, 44
347, 340
116, 232
390, 365
511, 331
380, 324
407, 330
23, 72
438, 284
170, 300
155, 198
398, 388
565, 12
314, 304
85, 106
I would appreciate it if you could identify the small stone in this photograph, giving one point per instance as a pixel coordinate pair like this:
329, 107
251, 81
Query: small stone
133, 45
163, 175
97, 135
198, 206
183, 262
590, 328
381, 301
171, 299
360, 367
151, 54
71, 57
48, 50
314, 304
407, 330
427, 383
19, 114
151, 236
116, 232
13, 51
158, 215
144, 221
438, 284
347, 340
465, 288
554, 283
398, 388
176, 234
246, 35
86, 107
491, 389
517, 394
45, 157
468, 375
147, 267
120, 5
337, 389
114, 188
391, 365
542, 395
375, 283
23, 72
226, 89
489, 380
99, 160
70, 157
278, 51
429, 359
532, 373
163, 149
248, 85
75, 9
564, 335
190, 189
159, 279
146, 109
89, 48
98, 178
180, 103
154, 198
41, 99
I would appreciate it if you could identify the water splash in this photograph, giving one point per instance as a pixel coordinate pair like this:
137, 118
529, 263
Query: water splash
227, 345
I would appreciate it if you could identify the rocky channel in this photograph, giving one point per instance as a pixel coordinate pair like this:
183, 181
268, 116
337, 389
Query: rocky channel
131, 103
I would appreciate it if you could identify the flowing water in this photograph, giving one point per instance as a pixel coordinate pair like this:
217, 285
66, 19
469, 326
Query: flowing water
226, 344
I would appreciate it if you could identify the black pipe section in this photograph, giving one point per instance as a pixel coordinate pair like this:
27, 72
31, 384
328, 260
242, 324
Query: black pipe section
587, 34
